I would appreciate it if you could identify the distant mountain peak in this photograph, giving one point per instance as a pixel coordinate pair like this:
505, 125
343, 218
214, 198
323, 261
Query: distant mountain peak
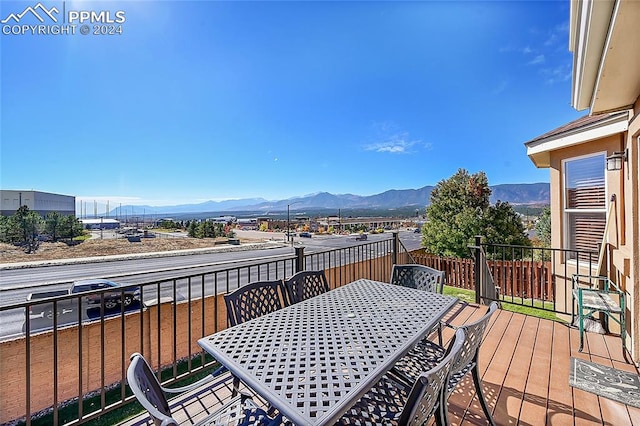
520, 193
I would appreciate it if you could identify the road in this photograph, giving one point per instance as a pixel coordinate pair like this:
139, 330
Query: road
16, 284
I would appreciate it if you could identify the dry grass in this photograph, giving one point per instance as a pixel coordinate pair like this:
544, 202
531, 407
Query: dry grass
96, 247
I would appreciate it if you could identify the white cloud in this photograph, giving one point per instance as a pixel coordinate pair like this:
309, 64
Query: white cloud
395, 144
558, 74
539, 59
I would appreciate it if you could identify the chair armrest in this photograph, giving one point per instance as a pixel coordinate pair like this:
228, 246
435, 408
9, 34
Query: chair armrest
616, 288
197, 384
585, 281
606, 287
451, 326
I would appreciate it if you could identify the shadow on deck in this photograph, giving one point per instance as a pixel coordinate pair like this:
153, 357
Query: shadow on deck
525, 364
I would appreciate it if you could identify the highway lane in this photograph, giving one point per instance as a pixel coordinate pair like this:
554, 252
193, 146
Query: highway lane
156, 268
19, 283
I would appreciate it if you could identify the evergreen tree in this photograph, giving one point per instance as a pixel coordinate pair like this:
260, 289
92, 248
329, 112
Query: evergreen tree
53, 224
460, 209
192, 229
543, 227
71, 227
28, 224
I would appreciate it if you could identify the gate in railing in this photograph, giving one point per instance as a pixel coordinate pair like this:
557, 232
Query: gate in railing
524, 275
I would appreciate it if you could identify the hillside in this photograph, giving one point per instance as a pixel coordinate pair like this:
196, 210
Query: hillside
527, 193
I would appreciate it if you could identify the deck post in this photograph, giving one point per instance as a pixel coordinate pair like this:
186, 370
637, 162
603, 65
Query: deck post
299, 259
476, 268
394, 251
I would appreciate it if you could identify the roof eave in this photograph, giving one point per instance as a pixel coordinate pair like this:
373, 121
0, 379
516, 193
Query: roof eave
539, 150
617, 84
590, 25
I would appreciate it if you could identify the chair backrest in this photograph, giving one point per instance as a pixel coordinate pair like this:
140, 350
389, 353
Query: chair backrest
253, 300
474, 333
145, 386
418, 276
425, 394
305, 285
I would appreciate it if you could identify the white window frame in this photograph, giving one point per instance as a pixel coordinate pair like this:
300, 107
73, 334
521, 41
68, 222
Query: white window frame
566, 211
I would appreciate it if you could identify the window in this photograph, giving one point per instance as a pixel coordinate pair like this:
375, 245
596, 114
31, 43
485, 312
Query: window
584, 203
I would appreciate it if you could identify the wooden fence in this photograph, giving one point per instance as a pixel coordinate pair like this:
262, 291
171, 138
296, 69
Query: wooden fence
516, 278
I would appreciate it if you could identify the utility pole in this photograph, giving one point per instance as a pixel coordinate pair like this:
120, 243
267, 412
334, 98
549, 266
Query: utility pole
288, 226
289, 223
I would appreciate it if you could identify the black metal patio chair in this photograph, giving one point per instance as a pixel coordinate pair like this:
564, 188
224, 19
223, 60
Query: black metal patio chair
391, 402
239, 410
305, 285
418, 276
254, 300
427, 354
422, 278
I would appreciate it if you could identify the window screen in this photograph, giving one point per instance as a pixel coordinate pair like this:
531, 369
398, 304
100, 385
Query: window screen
585, 203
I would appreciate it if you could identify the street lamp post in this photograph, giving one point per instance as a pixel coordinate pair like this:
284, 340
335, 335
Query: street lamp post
289, 239
289, 226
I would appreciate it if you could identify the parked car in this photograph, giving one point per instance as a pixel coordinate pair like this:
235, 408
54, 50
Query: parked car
112, 298
305, 234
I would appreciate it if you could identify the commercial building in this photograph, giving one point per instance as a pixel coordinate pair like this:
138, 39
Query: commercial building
41, 202
100, 223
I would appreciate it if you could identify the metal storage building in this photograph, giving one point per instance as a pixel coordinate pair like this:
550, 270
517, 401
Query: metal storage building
41, 202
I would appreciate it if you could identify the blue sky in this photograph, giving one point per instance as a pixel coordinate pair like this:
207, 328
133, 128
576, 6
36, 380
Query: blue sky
201, 100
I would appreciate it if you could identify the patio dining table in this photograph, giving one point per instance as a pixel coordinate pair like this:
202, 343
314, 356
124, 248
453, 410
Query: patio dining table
314, 359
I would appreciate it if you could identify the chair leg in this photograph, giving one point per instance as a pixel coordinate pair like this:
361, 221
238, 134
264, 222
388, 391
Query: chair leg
443, 410
437, 415
483, 402
581, 328
236, 386
623, 324
440, 333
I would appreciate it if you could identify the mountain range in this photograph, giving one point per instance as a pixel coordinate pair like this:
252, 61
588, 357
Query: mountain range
524, 193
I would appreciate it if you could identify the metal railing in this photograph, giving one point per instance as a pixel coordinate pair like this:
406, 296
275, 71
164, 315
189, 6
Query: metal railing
536, 276
73, 351
81, 351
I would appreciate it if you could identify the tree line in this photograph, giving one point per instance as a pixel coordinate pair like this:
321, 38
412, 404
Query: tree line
208, 229
200, 228
26, 227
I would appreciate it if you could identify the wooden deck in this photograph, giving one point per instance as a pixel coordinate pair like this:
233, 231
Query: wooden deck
525, 365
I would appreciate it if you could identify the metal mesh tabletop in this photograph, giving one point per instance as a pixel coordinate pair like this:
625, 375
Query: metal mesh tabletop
314, 359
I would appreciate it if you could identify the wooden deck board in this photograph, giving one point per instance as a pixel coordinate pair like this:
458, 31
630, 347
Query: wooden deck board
534, 404
587, 407
509, 404
463, 405
524, 364
559, 396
